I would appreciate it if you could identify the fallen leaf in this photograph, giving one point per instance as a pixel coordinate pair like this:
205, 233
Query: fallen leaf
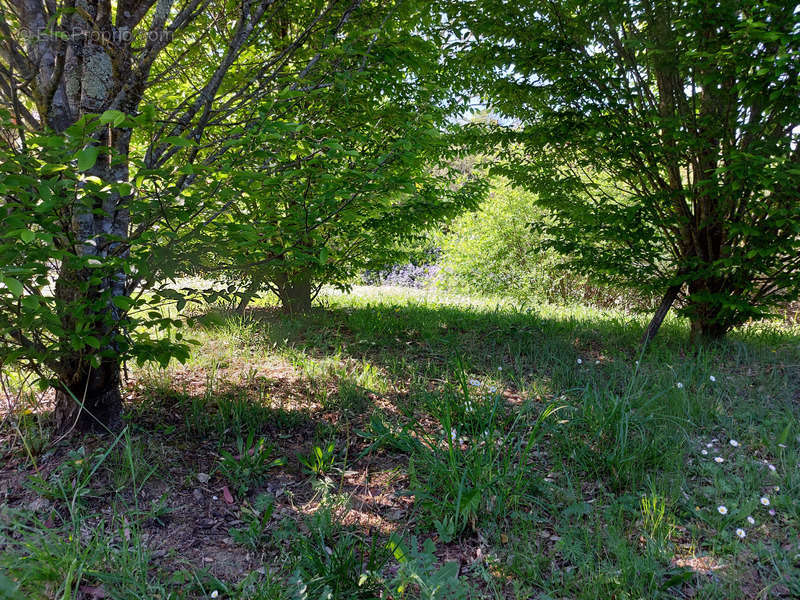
226, 494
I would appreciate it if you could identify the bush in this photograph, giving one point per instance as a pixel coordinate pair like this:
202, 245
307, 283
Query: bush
501, 250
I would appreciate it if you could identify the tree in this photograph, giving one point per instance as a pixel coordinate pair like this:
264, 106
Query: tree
106, 155
663, 135
333, 183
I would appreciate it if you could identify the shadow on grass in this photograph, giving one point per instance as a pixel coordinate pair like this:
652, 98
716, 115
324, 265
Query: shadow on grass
508, 345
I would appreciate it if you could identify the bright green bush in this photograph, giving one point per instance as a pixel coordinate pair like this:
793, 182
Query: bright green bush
500, 250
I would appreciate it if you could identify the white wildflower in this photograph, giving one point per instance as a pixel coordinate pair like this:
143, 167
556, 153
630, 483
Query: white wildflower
771, 467
771, 512
215, 594
719, 459
679, 385
734, 443
580, 362
751, 520
764, 500
722, 509
704, 452
712, 378
740, 532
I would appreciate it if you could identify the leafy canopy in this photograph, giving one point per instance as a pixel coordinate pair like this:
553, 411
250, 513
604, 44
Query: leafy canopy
662, 135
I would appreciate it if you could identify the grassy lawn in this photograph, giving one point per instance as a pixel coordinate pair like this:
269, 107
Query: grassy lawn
404, 444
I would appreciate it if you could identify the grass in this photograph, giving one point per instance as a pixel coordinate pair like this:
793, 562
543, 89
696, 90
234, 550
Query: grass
449, 447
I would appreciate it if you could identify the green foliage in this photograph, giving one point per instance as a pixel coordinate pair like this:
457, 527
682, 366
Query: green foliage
469, 469
256, 518
331, 185
251, 464
661, 136
58, 312
336, 561
319, 460
502, 250
419, 570
75, 549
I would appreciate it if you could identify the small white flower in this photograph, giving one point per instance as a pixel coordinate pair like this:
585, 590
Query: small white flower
679, 385
453, 435
580, 362
499, 368
764, 500
740, 532
215, 594
474, 382
712, 378
719, 459
781, 445
597, 362
637, 363
734, 443
771, 512
751, 520
709, 445
704, 452
771, 467
722, 509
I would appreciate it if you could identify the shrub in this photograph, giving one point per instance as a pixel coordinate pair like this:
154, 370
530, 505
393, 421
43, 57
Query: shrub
500, 250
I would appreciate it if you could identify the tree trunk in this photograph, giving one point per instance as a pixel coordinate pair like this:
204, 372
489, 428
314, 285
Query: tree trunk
658, 318
708, 322
295, 294
73, 78
705, 331
89, 400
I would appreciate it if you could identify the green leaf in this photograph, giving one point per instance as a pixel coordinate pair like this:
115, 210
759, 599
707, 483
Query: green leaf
13, 285
9, 589
30, 302
27, 236
115, 117
680, 577
784, 436
122, 302
87, 158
